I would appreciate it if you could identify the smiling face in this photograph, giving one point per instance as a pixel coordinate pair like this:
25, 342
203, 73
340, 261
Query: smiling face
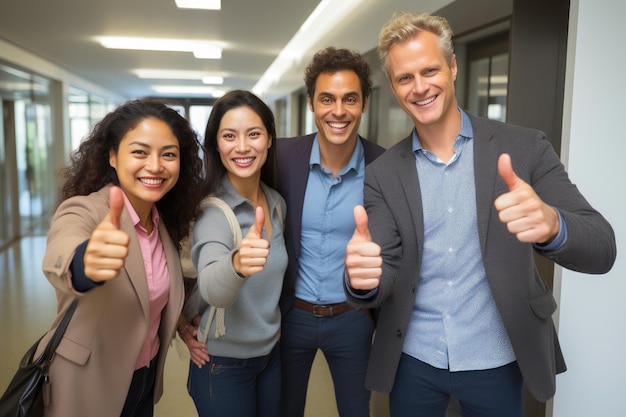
243, 143
147, 163
422, 80
337, 107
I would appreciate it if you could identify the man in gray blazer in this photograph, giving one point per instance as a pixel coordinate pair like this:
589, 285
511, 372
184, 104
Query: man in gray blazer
456, 211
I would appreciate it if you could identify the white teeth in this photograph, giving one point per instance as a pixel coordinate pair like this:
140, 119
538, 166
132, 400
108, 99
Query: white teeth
337, 125
151, 181
427, 101
243, 160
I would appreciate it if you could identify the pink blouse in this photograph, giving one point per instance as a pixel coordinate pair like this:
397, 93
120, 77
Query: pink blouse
158, 281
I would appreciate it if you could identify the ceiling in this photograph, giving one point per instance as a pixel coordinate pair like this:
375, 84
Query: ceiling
253, 32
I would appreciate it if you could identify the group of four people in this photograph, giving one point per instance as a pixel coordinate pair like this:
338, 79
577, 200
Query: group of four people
431, 245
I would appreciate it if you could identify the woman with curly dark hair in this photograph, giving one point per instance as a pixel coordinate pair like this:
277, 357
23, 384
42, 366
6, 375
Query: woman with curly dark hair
129, 196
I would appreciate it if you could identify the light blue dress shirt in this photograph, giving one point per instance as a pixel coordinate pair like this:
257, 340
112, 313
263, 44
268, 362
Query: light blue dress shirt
327, 226
455, 323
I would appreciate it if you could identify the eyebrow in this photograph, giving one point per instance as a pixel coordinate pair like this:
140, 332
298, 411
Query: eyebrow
349, 93
145, 145
230, 129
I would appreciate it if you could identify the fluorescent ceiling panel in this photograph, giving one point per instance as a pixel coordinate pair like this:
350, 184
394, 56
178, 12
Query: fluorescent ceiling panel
159, 74
200, 49
199, 4
186, 89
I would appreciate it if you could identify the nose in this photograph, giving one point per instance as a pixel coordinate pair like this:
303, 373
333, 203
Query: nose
419, 85
241, 144
153, 163
339, 108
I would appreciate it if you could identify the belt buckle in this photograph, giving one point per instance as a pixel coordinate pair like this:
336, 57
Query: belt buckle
316, 312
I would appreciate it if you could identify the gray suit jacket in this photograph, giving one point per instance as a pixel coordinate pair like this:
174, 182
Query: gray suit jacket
393, 203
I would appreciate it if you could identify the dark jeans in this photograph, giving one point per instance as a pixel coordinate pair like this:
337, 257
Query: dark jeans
230, 387
421, 390
345, 340
140, 398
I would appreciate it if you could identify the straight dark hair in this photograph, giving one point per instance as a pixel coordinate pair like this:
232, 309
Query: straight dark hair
232, 100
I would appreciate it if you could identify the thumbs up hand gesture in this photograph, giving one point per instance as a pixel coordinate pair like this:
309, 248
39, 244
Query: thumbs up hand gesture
363, 259
252, 255
521, 209
108, 246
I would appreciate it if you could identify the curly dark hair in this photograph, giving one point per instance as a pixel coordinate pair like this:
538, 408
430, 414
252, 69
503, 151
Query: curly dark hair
331, 60
90, 169
232, 100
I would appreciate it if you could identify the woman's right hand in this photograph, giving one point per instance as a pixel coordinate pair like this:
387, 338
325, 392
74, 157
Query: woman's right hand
198, 351
252, 255
108, 245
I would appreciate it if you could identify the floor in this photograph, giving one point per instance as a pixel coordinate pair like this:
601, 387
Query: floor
28, 304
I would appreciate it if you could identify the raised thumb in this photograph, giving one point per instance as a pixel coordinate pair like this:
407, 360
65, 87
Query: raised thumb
361, 222
259, 221
505, 170
116, 205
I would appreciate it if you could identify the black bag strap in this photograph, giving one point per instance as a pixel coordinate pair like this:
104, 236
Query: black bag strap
59, 332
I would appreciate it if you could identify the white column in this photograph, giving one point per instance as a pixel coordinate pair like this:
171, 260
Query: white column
592, 309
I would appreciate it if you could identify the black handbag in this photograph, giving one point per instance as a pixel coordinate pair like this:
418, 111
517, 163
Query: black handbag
24, 397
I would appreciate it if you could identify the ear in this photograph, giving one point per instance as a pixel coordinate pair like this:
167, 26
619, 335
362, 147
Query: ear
113, 159
310, 103
365, 103
270, 141
453, 67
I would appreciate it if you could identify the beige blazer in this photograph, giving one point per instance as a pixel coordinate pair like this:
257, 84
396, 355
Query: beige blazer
94, 364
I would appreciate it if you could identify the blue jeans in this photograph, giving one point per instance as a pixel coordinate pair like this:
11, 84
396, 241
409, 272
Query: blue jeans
231, 387
345, 340
422, 390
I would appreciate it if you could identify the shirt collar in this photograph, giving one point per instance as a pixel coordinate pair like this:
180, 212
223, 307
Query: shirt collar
465, 132
227, 192
355, 163
134, 217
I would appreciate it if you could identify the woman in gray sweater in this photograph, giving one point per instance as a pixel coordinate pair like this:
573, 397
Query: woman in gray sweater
241, 377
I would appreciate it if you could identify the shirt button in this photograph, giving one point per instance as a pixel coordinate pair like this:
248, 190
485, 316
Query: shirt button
398, 333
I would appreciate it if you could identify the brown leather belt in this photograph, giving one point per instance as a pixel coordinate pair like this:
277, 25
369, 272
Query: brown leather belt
324, 310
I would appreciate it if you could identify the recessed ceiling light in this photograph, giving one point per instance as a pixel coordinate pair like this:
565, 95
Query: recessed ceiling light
161, 74
186, 89
200, 49
213, 79
199, 4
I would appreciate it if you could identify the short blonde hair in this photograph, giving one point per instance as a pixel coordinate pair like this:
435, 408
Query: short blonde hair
403, 26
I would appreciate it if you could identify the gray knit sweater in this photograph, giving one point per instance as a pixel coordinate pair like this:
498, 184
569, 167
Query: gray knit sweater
252, 315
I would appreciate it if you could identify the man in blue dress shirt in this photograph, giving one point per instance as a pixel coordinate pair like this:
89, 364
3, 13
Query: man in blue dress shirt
321, 179
456, 212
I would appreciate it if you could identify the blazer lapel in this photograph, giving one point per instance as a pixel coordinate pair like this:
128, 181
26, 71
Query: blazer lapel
485, 174
177, 295
301, 176
411, 188
135, 270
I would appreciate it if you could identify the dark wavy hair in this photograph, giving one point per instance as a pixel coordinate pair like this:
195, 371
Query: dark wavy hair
233, 100
90, 169
331, 60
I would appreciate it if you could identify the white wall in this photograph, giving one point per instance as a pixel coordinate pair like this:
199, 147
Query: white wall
592, 313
